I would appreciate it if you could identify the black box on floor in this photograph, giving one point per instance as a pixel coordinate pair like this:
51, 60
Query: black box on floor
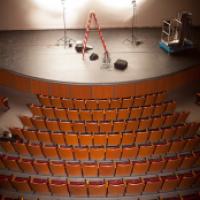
121, 64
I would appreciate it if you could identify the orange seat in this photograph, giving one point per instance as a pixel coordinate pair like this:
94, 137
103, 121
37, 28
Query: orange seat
77, 189
127, 102
7, 146
73, 115
39, 123
56, 102
26, 165
106, 169
152, 185
100, 139
123, 114
140, 167
58, 138
92, 127
145, 150
132, 125
42, 167
73, 169
20, 148
78, 127
104, 103
172, 163
114, 139
170, 107
197, 156
81, 153
170, 120
35, 150
188, 161
72, 139
161, 148
65, 126
105, 127
147, 111
129, 152
181, 130
156, 165
192, 143
138, 101
98, 115
128, 138
160, 97
26, 121
168, 133
155, 135
159, 109
57, 168
145, 124
52, 125
85, 115
186, 180
21, 184
86, 139
177, 146
79, 104
39, 185
90, 169
91, 104
17, 132
193, 128
119, 126
141, 137
157, 122
115, 103
44, 100
134, 187
36, 110
97, 189
67, 103
135, 112
2, 166
116, 188
97, 153
5, 182
65, 153
113, 153
123, 168
60, 113
30, 135
169, 183
48, 112
110, 114
11, 163
182, 117
150, 99
50, 151
59, 187
44, 137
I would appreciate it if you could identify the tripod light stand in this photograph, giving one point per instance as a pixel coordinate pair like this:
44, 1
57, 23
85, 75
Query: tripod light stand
66, 41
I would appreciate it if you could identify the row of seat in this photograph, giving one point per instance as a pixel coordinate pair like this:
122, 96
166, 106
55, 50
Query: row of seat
108, 139
59, 102
100, 153
101, 188
101, 169
104, 126
103, 115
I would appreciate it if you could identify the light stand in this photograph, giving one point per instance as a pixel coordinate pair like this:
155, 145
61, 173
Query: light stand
67, 42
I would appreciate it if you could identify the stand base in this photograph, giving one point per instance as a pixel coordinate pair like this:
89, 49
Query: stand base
66, 42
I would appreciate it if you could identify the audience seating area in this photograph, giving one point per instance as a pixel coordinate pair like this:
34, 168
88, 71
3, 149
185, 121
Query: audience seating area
103, 148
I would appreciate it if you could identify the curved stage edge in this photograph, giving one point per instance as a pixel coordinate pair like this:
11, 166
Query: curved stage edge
33, 85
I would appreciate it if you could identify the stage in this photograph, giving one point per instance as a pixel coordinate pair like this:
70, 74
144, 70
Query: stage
33, 56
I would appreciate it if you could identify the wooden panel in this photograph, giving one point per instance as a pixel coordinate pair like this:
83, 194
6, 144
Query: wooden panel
100, 92
60, 90
39, 87
124, 90
22, 84
80, 91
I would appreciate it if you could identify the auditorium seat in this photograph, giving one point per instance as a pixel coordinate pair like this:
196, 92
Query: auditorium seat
65, 153
56, 102
132, 125
168, 133
129, 152
57, 138
197, 155
170, 183
106, 169
157, 122
115, 103
72, 139
170, 107
123, 114
52, 125
39, 123
193, 128
65, 126
21, 184
42, 167
170, 120
182, 117
186, 180
7, 146
91, 104
57, 168
104, 103
50, 151
77, 189
73, 115
58, 187
90, 169
138, 101
2, 166
145, 150
78, 127
114, 139
192, 143
181, 130
60, 113
92, 127
26, 165
123, 168
172, 163
11, 163
97, 153
177, 146
100, 139
141, 137
85, 115
113, 153
159, 109
127, 102
39, 185
30, 135
105, 127
150, 99
44, 137
48, 112
73, 169
147, 111
17, 132
85, 139
145, 123
152, 185
5, 182
98, 115
81, 153
110, 114
44, 100
135, 113
161, 148
36, 110
97, 189
140, 167
134, 187
188, 161
119, 126
116, 188
26, 121
128, 138
156, 165
67, 103
21, 148
79, 104
35, 150
155, 135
